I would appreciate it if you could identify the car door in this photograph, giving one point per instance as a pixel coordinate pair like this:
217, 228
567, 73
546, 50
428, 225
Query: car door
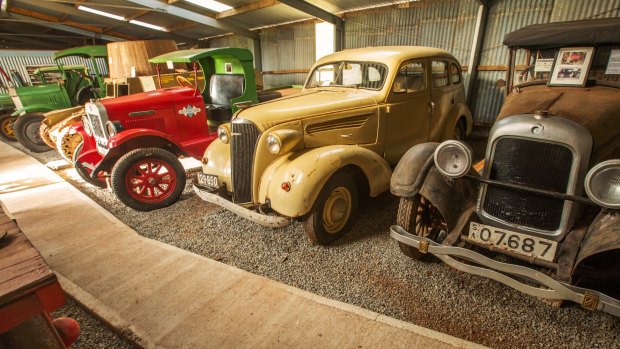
407, 112
442, 98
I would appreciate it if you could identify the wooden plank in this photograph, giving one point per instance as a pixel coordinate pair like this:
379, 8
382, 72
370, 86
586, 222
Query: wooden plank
253, 6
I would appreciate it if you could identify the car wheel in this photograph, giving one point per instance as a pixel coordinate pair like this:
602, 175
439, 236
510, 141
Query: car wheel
84, 172
6, 127
66, 143
148, 179
419, 217
26, 129
333, 211
459, 131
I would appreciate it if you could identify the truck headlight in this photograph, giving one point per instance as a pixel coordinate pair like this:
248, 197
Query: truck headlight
113, 127
282, 141
223, 133
453, 158
603, 184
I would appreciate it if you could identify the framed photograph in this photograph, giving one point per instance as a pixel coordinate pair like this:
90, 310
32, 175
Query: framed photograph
571, 66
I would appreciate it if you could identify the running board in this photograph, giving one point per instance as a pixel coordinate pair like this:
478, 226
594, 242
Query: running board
492, 269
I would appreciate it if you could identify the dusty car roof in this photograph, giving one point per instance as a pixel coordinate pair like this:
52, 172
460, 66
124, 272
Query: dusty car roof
387, 54
591, 32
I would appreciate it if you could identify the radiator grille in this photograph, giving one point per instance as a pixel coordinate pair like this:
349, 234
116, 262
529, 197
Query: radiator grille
537, 165
242, 147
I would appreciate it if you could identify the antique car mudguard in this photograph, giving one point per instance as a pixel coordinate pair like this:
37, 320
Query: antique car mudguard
416, 173
603, 236
308, 172
458, 110
31, 108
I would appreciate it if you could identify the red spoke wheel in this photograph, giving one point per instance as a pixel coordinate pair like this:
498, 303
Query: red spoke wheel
418, 216
148, 179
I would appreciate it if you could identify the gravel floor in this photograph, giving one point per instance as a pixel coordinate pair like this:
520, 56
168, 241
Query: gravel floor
366, 268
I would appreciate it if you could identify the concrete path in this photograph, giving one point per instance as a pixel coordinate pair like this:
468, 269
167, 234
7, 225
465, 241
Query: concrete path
164, 297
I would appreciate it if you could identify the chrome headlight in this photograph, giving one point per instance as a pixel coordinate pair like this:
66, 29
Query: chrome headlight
603, 184
223, 133
453, 158
113, 127
88, 128
282, 141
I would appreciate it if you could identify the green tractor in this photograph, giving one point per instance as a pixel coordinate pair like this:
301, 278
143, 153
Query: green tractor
75, 86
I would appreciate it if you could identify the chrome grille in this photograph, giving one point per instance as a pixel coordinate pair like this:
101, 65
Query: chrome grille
535, 164
242, 146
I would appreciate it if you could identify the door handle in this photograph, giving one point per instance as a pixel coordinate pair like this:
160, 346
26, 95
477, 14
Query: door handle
346, 135
434, 103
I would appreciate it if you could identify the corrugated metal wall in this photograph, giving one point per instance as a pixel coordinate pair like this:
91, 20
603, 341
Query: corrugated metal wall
232, 41
290, 47
18, 60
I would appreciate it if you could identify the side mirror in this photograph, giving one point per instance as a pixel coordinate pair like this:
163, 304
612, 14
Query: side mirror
500, 83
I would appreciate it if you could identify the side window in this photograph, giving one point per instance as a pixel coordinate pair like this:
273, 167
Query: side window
440, 73
411, 77
455, 72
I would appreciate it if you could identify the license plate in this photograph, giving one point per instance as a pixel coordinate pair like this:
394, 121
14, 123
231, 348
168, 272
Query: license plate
208, 180
523, 244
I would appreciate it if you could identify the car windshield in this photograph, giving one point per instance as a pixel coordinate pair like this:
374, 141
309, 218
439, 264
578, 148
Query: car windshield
367, 75
566, 65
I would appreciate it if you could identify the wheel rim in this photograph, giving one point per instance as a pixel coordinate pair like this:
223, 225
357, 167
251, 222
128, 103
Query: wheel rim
337, 210
69, 143
457, 134
428, 220
32, 133
150, 180
7, 127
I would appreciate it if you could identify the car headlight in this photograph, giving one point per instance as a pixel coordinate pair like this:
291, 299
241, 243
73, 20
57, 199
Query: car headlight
223, 133
282, 141
603, 184
88, 129
113, 127
453, 158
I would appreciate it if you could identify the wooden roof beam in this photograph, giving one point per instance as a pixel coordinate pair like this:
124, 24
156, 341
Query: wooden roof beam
181, 25
253, 6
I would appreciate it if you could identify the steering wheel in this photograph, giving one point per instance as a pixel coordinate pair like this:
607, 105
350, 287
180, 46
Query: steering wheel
184, 82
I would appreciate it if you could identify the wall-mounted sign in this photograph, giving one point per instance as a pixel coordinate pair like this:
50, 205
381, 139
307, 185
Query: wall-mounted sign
613, 66
571, 66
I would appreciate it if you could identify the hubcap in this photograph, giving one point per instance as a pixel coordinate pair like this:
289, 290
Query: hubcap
32, 132
337, 210
150, 180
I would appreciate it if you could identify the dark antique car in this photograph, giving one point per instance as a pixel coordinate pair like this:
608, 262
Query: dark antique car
548, 193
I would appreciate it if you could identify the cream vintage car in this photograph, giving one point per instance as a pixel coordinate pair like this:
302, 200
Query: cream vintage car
313, 154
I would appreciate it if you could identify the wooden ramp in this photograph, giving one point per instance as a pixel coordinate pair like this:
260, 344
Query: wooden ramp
164, 297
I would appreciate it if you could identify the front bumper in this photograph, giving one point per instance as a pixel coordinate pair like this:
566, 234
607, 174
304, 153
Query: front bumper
267, 221
489, 268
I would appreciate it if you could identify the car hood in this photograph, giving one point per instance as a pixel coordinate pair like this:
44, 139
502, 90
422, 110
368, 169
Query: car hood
153, 100
596, 108
307, 104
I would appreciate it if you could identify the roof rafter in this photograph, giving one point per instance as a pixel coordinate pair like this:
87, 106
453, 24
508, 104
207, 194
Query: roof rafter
196, 17
314, 11
253, 6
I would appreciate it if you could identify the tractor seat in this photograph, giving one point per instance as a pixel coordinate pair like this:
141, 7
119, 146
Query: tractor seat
223, 88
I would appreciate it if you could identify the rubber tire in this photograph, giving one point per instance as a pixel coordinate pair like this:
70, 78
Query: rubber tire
36, 145
3, 119
82, 172
120, 169
460, 128
313, 221
407, 208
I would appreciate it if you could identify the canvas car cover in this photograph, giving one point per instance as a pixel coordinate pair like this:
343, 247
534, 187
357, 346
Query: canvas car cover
589, 32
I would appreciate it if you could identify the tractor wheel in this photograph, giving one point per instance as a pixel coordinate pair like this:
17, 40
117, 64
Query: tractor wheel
6, 127
148, 179
66, 143
84, 172
419, 217
333, 211
26, 129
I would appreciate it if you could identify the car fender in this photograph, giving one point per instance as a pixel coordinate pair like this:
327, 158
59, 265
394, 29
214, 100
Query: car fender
32, 108
217, 158
416, 173
458, 111
602, 237
308, 172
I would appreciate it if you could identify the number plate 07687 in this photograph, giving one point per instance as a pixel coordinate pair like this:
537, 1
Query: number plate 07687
523, 244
